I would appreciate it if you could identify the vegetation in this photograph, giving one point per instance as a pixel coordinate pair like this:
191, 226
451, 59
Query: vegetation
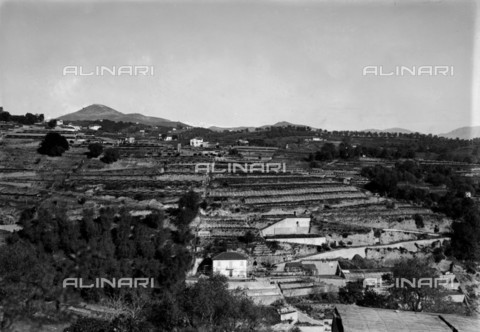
403, 296
465, 243
53, 145
27, 119
50, 248
110, 156
94, 150
418, 221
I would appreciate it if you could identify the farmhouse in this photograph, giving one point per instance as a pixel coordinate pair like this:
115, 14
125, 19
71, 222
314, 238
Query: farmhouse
230, 264
288, 314
288, 226
196, 142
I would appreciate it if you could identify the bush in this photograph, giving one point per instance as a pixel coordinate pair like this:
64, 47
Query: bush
438, 255
53, 145
418, 221
52, 123
249, 237
88, 325
110, 156
94, 150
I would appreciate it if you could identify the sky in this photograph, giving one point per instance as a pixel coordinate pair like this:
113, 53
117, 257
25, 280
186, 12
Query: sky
247, 63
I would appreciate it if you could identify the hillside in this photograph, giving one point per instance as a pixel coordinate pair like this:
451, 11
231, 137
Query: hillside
99, 112
278, 124
389, 130
221, 129
463, 133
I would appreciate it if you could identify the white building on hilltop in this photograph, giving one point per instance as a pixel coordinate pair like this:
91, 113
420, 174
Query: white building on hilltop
230, 264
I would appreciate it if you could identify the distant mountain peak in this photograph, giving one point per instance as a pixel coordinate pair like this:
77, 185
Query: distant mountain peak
96, 109
100, 112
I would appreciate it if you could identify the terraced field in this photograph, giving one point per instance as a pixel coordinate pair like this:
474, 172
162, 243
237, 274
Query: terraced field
280, 190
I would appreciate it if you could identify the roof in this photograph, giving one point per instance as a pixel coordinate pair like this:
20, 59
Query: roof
229, 256
359, 319
353, 276
461, 323
309, 266
324, 267
293, 264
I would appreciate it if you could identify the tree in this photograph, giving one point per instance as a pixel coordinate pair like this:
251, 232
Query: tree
210, 305
110, 156
94, 150
351, 293
249, 237
418, 220
327, 152
53, 145
52, 123
4, 116
466, 236
30, 118
420, 297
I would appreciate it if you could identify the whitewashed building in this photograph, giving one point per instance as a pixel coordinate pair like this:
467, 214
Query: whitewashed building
196, 142
230, 264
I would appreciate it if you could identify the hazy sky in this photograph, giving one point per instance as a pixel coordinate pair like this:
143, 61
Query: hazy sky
236, 63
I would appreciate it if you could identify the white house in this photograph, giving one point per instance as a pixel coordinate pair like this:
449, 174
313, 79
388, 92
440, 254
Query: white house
94, 127
288, 314
230, 264
68, 128
288, 226
196, 142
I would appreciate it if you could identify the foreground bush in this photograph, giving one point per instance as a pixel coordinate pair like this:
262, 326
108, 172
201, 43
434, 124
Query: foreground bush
53, 145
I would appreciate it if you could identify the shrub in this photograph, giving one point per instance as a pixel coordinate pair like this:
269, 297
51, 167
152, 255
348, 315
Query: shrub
53, 145
88, 325
249, 237
418, 221
438, 255
110, 156
94, 150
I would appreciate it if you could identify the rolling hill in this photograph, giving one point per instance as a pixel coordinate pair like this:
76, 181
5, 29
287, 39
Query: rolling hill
100, 112
278, 124
463, 133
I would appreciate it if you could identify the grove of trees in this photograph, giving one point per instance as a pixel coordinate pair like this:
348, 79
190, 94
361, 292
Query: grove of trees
113, 244
27, 119
403, 296
465, 244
